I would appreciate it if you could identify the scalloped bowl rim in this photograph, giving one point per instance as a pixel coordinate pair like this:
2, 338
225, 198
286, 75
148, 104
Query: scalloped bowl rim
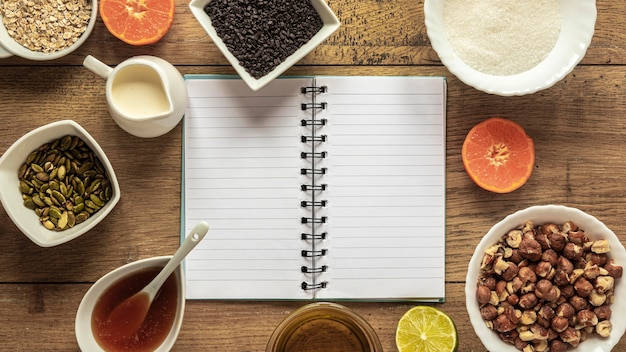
25, 219
543, 214
574, 39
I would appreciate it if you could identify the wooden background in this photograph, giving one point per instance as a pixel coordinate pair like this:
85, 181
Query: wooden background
578, 127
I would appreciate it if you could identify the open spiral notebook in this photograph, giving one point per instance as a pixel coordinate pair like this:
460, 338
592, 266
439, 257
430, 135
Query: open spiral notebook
322, 187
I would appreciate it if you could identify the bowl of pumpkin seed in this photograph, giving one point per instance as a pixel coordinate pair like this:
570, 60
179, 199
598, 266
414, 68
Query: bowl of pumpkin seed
57, 183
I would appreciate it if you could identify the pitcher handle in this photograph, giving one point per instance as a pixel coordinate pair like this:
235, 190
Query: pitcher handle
96, 66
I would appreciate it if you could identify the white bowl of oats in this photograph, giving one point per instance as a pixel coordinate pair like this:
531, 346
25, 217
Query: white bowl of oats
548, 276
510, 47
45, 29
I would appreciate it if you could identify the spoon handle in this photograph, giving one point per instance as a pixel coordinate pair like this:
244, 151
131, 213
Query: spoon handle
195, 236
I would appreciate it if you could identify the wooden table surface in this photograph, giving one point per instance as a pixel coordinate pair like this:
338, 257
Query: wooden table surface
578, 126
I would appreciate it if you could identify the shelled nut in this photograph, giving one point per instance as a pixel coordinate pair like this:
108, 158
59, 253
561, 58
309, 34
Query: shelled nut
547, 287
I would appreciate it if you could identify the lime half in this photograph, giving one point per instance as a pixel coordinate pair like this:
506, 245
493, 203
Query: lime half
426, 329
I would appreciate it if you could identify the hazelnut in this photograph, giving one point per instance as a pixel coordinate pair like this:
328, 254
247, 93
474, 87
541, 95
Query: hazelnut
510, 272
528, 317
567, 291
578, 237
591, 271
515, 285
597, 299
490, 282
550, 228
570, 226
527, 274
572, 251
509, 336
575, 274
558, 345
557, 241
539, 331
543, 269
565, 310
613, 269
583, 287
542, 288
603, 312
515, 256
500, 265
600, 246
550, 256
514, 238
586, 318
513, 314
570, 336
565, 264
513, 299
559, 323
502, 323
578, 303
528, 301
519, 344
540, 346
483, 294
488, 312
530, 249
546, 312
604, 328
542, 239
599, 259
560, 277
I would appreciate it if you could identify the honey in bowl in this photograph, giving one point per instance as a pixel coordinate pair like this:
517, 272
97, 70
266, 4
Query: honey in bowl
324, 327
157, 324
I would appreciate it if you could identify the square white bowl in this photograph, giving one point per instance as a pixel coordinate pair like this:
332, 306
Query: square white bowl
330, 25
539, 215
577, 27
11, 197
9, 46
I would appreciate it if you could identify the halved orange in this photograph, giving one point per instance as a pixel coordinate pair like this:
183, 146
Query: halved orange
498, 155
137, 22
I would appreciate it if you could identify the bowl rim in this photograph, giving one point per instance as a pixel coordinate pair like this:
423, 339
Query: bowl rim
330, 25
38, 235
542, 214
571, 47
9, 46
82, 328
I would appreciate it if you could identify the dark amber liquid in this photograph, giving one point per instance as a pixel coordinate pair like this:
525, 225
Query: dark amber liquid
326, 335
157, 324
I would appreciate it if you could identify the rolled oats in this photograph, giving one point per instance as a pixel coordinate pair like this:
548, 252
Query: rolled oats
45, 25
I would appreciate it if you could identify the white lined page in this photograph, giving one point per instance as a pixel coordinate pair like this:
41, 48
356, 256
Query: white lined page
386, 176
386, 188
242, 156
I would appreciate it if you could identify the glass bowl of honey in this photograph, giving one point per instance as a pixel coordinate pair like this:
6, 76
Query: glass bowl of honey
324, 326
162, 324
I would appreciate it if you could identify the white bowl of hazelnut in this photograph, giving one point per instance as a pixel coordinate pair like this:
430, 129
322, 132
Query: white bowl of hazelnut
547, 278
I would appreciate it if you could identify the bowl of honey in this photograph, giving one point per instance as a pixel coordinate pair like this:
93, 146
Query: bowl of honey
162, 324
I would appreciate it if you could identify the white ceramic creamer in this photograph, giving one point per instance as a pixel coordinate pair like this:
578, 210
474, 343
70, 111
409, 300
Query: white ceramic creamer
146, 95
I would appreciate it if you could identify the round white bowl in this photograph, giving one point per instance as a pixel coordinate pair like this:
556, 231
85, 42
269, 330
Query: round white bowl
83, 329
9, 46
11, 197
539, 215
577, 27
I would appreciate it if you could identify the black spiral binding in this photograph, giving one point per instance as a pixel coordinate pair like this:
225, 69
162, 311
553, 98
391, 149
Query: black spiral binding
314, 140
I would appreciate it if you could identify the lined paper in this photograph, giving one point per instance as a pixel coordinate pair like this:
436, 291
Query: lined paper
386, 192
386, 188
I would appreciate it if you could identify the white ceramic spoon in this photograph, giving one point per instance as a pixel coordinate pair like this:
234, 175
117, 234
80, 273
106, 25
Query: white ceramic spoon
129, 315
